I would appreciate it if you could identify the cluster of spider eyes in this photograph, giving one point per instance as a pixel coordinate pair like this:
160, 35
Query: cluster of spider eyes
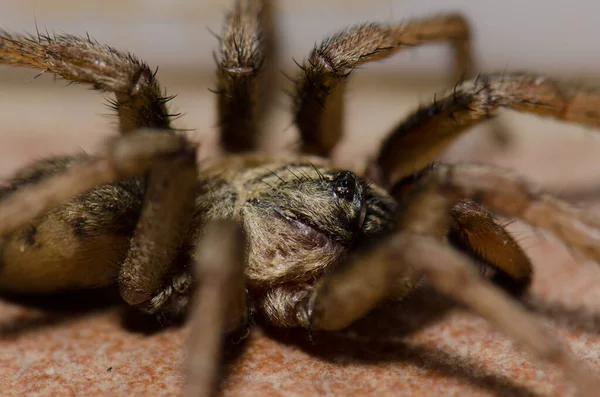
344, 185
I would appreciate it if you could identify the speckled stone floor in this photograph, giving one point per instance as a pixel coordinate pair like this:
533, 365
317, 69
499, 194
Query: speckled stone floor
426, 346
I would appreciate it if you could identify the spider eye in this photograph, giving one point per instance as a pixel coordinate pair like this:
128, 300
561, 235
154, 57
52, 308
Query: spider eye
344, 185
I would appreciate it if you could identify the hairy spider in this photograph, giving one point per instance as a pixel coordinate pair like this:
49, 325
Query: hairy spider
290, 241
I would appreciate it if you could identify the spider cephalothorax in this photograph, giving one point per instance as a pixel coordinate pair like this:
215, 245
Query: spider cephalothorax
311, 245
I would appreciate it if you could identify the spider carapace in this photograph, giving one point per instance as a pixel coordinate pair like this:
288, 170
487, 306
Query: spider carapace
291, 240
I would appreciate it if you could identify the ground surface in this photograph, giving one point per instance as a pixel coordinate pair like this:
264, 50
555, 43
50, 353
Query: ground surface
426, 346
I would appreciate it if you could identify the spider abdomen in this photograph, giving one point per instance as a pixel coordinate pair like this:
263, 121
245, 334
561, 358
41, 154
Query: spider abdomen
80, 244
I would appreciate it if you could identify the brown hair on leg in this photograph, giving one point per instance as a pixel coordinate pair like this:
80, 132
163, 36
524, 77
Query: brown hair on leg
319, 93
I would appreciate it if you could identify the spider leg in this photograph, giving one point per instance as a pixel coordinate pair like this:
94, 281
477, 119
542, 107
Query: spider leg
122, 158
318, 102
169, 161
506, 193
139, 101
171, 178
245, 73
397, 265
474, 230
407, 153
450, 272
219, 302
405, 258
419, 139
158, 238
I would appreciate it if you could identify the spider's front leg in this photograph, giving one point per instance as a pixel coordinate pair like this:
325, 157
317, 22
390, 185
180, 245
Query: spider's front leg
147, 278
415, 253
170, 180
220, 303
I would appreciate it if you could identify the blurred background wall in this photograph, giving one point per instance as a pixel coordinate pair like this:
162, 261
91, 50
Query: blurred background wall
550, 36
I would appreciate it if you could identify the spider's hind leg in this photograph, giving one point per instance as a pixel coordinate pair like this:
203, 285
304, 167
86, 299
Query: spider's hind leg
169, 161
77, 245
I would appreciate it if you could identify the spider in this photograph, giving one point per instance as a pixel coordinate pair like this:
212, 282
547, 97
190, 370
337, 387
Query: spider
287, 240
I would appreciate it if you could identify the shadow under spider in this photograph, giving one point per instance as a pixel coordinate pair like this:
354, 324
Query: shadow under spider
378, 337
385, 325
375, 338
55, 309
571, 317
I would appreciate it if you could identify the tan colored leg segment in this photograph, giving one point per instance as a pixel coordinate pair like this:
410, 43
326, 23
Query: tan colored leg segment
472, 228
319, 102
219, 303
503, 192
139, 101
162, 229
419, 139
